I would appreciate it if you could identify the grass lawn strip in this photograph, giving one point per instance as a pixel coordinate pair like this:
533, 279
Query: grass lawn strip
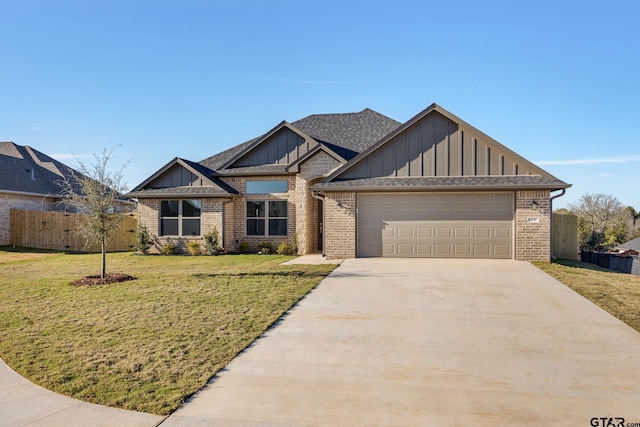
145, 344
616, 293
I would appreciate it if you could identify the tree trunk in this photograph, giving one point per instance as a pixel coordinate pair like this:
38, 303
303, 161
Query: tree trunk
104, 260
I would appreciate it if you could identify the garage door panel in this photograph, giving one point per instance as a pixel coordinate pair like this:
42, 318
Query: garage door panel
405, 232
502, 232
462, 232
424, 249
424, 232
482, 250
464, 249
436, 225
482, 232
443, 232
444, 249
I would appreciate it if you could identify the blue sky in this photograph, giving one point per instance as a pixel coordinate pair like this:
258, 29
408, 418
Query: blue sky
556, 81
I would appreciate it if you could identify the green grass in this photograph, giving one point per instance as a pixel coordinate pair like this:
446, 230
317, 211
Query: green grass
616, 293
146, 344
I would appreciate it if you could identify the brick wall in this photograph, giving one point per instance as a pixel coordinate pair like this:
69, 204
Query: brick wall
340, 225
533, 226
8, 201
312, 170
149, 214
235, 212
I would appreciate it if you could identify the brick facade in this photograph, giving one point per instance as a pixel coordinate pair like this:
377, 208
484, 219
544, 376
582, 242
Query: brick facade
307, 219
149, 216
16, 201
533, 226
340, 227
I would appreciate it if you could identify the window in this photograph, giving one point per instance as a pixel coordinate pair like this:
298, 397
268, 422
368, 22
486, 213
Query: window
180, 217
266, 187
267, 218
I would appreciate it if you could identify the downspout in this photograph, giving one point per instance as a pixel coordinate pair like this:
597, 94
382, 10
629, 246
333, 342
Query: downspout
317, 195
564, 190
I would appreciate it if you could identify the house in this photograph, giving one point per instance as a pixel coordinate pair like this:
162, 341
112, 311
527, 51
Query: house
360, 185
28, 180
632, 247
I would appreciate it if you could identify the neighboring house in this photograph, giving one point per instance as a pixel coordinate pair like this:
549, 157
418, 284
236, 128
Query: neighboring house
632, 247
360, 185
28, 180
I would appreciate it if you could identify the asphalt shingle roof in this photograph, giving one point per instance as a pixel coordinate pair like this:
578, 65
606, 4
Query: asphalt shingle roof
26, 170
631, 244
497, 182
182, 192
351, 133
347, 134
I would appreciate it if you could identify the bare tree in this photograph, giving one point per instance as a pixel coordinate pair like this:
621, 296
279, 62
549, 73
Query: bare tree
599, 215
95, 193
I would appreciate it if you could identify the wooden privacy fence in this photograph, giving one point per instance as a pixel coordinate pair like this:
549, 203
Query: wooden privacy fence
57, 231
564, 236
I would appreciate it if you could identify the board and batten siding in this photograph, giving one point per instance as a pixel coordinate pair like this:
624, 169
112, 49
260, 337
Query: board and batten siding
437, 146
283, 147
176, 176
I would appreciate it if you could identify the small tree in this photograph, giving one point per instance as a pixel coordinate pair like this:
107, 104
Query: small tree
95, 193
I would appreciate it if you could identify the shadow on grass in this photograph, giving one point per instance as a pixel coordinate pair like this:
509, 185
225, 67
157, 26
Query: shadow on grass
580, 264
292, 273
21, 249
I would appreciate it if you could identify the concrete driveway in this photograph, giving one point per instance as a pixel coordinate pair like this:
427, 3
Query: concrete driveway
430, 342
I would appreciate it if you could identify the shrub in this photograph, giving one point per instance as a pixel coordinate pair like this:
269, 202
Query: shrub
168, 249
285, 249
266, 248
142, 239
211, 244
194, 247
294, 241
243, 247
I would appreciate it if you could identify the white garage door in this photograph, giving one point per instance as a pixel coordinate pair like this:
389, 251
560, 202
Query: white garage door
448, 225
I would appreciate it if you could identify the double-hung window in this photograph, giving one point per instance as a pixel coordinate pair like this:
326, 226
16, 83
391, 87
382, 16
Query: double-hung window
266, 218
180, 217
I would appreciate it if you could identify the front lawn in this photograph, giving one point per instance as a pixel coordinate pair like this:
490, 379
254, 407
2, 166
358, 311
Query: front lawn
145, 344
616, 293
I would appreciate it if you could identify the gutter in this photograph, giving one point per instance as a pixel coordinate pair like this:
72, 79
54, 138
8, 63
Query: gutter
316, 195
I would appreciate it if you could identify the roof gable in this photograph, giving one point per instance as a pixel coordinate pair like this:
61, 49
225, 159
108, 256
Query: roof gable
283, 145
436, 143
325, 148
179, 177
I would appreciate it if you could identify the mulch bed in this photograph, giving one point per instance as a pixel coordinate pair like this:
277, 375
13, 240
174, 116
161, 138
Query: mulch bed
97, 280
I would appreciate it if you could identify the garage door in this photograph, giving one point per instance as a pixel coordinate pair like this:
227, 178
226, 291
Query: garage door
452, 225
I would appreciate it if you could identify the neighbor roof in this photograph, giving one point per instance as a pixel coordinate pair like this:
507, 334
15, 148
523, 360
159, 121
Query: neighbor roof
25, 170
631, 244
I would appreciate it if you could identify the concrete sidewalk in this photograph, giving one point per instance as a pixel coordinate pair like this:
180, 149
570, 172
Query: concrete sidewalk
23, 403
415, 342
